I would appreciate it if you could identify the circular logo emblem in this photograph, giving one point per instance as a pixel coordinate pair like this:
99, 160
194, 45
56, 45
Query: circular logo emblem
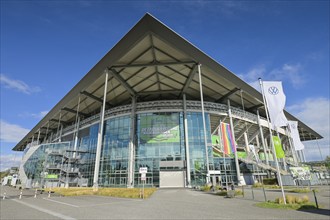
273, 90
293, 126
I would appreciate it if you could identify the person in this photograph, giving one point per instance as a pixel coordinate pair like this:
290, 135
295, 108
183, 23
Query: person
232, 187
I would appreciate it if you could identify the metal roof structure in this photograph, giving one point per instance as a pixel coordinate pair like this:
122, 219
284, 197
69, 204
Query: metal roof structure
152, 62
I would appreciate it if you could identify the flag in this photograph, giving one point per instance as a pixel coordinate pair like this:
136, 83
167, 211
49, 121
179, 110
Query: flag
275, 99
293, 128
227, 138
278, 147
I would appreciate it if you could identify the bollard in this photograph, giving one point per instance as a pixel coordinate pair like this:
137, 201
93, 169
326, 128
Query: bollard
317, 205
35, 193
49, 194
4, 195
20, 195
243, 190
263, 188
252, 193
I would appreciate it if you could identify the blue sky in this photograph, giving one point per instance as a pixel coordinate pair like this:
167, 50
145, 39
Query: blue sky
48, 46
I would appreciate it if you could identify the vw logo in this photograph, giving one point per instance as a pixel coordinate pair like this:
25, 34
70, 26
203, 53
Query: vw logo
273, 90
293, 126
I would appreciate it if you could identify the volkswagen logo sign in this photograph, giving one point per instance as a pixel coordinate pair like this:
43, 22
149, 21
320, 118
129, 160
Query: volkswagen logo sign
273, 90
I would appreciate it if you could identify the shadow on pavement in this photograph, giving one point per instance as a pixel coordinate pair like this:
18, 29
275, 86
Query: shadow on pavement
314, 211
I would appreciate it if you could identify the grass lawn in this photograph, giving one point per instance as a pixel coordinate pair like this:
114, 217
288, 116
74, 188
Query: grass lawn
114, 192
275, 205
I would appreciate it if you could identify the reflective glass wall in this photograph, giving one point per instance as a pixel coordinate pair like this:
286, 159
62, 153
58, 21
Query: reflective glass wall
198, 169
114, 155
160, 137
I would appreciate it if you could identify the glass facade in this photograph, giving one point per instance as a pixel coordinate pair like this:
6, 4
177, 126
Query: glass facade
45, 162
114, 156
198, 169
159, 145
160, 137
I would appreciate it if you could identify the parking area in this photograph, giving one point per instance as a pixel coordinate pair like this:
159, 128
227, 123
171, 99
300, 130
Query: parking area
164, 204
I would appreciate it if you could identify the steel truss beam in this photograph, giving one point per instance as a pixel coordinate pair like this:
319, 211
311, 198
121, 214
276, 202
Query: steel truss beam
58, 121
188, 80
74, 112
95, 98
227, 95
254, 107
240, 135
120, 79
153, 64
160, 92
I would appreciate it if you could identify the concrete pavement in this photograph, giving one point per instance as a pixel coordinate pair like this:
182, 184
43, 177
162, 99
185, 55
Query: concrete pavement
164, 204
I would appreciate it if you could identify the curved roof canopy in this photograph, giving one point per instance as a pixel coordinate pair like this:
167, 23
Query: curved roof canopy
152, 62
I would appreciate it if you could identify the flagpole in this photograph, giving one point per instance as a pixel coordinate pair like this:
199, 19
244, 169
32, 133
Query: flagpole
272, 143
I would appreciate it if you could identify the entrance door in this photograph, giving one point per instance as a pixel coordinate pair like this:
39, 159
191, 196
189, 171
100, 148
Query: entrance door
171, 179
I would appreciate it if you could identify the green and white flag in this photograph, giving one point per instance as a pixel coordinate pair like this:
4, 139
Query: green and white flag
278, 147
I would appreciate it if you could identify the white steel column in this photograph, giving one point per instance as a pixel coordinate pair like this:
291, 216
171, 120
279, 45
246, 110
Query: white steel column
38, 137
204, 125
100, 136
45, 138
76, 131
130, 181
58, 127
186, 141
291, 146
60, 137
238, 172
263, 139
318, 146
32, 140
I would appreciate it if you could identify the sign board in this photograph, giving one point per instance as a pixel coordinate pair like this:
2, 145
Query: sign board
160, 128
300, 173
143, 170
143, 176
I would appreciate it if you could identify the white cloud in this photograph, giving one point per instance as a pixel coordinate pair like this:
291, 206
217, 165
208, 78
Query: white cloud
17, 85
287, 72
11, 133
10, 160
290, 72
252, 76
33, 115
315, 112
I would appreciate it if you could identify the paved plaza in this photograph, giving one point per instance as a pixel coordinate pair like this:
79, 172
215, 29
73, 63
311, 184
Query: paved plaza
164, 204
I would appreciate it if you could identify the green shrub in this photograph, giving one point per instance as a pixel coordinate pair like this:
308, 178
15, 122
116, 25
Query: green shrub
222, 193
258, 185
270, 181
114, 192
239, 192
206, 188
293, 200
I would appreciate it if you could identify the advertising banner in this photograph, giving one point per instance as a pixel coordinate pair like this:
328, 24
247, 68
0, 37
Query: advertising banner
300, 173
278, 147
159, 128
51, 176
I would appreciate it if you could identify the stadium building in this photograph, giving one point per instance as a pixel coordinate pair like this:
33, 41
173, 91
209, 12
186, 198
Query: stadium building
158, 102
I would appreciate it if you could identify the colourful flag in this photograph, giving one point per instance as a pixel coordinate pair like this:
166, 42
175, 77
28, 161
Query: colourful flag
227, 138
278, 147
275, 99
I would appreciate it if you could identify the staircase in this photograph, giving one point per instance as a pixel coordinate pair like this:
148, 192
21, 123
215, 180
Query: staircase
263, 166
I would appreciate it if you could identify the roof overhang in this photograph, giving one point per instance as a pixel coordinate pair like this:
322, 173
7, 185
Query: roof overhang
152, 62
